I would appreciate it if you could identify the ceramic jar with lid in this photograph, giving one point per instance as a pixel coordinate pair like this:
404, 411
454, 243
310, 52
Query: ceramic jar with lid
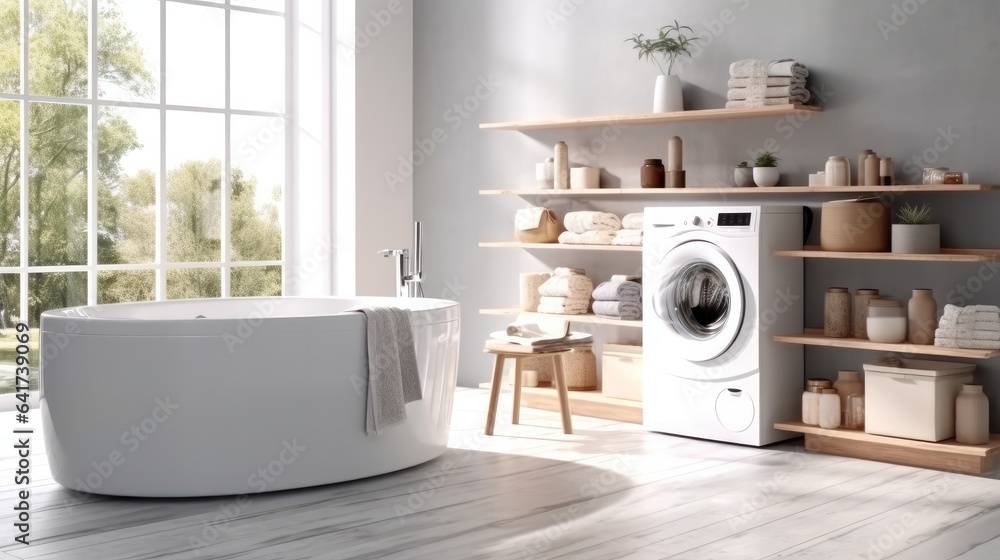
810, 399
829, 409
886, 320
860, 323
652, 175
837, 313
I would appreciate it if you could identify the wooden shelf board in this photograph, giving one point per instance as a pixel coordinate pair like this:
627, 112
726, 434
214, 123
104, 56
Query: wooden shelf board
946, 455
587, 318
655, 118
814, 337
946, 255
584, 403
693, 190
565, 246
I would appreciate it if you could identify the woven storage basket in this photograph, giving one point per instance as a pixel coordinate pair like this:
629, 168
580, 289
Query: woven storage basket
579, 368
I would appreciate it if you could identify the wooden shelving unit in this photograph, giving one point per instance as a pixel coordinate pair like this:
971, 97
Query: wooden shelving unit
814, 337
587, 318
750, 191
946, 255
585, 403
564, 246
946, 455
655, 118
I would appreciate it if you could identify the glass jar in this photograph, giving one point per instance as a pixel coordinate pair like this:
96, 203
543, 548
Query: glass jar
886, 321
652, 175
848, 383
810, 405
855, 419
934, 175
829, 409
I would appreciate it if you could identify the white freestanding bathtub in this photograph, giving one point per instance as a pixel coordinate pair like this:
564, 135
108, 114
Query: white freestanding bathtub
262, 394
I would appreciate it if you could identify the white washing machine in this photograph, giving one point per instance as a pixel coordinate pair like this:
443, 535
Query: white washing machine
713, 296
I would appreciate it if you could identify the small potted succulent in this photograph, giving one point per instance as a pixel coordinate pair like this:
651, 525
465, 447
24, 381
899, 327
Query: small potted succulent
765, 170
670, 44
914, 232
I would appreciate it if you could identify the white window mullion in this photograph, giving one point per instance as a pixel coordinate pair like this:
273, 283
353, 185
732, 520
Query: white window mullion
161, 180
227, 174
24, 162
93, 113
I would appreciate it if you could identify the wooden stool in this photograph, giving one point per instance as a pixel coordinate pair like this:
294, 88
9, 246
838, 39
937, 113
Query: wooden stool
557, 378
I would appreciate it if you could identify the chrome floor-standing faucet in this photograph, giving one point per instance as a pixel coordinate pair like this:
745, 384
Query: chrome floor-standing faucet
408, 266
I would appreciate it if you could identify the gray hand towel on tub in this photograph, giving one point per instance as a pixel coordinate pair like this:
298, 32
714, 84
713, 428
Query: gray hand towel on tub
393, 377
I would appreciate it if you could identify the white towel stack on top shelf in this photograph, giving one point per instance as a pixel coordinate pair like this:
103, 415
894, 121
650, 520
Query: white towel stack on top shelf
589, 228
974, 326
567, 292
756, 83
631, 232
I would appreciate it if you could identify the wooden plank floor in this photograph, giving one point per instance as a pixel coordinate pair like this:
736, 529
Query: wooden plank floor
610, 490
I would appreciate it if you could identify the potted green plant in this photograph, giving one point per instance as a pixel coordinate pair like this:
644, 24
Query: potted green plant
914, 232
765, 170
670, 44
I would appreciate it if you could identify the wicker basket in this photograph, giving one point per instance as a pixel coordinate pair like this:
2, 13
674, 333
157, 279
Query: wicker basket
579, 368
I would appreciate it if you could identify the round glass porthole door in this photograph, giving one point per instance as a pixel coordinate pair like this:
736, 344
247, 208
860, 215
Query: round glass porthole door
701, 297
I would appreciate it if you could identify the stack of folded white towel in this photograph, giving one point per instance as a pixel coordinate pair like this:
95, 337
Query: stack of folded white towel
756, 83
973, 326
631, 232
590, 228
567, 292
619, 298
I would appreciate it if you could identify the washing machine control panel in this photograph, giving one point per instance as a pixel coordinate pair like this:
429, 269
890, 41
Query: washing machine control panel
738, 219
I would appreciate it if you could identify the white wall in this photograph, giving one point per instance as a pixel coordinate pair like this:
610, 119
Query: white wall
373, 124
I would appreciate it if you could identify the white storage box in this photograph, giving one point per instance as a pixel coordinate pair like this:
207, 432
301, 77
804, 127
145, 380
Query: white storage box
622, 375
913, 399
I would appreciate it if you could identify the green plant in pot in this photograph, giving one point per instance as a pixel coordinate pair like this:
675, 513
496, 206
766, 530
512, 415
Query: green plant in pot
765, 170
666, 48
914, 232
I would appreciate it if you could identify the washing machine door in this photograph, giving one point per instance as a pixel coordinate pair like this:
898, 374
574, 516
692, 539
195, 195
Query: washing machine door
701, 297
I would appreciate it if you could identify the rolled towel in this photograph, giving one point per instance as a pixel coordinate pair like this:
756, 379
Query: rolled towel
575, 286
796, 94
582, 222
949, 324
564, 306
632, 221
620, 290
631, 237
756, 68
630, 310
766, 102
970, 334
587, 238
766, 82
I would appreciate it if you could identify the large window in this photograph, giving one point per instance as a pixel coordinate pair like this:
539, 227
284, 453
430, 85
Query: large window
142, 153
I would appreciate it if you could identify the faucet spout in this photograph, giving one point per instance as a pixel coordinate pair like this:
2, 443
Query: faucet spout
408, 269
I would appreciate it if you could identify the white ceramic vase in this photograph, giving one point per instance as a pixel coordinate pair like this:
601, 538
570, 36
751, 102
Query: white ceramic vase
972, 415
916, 238
766, 176
838, 171
667, 95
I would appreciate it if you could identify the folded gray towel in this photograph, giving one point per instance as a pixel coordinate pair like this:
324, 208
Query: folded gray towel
767, 82
393, 377
766, 102
618, 290
794, 93
627, 310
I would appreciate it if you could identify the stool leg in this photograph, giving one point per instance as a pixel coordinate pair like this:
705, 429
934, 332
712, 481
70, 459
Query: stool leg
517, 391
491, 416
560, 380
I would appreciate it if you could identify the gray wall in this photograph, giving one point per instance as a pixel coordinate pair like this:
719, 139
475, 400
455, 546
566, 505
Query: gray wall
892, 80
